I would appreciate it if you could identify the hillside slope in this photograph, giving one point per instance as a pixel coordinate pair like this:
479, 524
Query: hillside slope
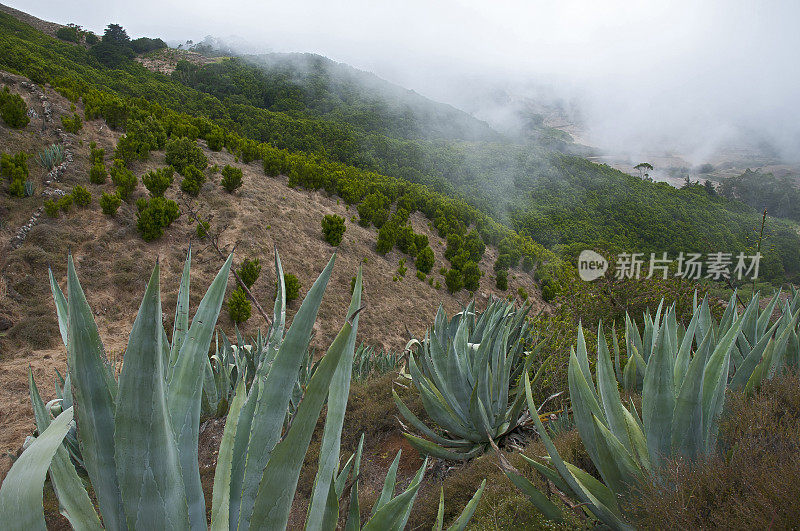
113, 262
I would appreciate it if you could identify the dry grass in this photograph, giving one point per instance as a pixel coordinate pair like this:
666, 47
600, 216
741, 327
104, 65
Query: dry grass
755, 484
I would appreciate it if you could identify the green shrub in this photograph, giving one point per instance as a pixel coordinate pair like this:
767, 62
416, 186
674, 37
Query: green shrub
292, 286
68, 33
202, 229
92, 39
374, 209
421, 276
97, 175
109, 203
425, 260
193, 180
231, 178
215, 139
72, 124
81, 196
333, 229
13, 109
239, 306
157, 181
51, 208
96, 155
401, 267
523, 293
454, 281
503, 262
182, 153
155, 214
387, 236
249, 271
17, 188
472, 276
502, 280
123, 179
65, 203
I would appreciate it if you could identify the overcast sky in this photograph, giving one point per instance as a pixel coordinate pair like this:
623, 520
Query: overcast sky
647, 74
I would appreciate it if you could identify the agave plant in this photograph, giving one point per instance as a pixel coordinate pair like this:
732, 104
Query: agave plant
682, 399
464, 371
368, 361
139, 434
758, 340
51, 156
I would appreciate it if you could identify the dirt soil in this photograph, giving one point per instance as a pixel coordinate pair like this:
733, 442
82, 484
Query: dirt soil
114, 263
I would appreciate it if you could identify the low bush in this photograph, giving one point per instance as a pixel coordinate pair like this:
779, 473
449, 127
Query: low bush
239, 306
333, 229
109, 203
425, 260
65, 203
51, 208
155, 215
97, 174
249, 271
202, 229
72, 124
81, 196
182, 153
193, 180
123, 179
231, 178
292, 286
454, 281
502, 280
13, 109
472, 276
158, 181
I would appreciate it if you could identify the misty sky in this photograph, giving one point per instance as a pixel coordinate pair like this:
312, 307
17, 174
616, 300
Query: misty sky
684, 75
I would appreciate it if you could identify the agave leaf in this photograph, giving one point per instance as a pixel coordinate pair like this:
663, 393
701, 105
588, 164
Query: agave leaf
394, 514
146, 451
181, 326
715, 379
428, 448
688, 435
276, 491
746, 368
22, 490
603, 512
274, 393
387, 492
93, 392
684, 353
440, 513
334, 420
185, 389
658, 401
422, 428
353, 512
61, 306
548, 509
220, 505
72, 497
609, 392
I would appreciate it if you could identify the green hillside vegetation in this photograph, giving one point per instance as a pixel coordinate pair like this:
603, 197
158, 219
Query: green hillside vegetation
779, 195
555, 199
